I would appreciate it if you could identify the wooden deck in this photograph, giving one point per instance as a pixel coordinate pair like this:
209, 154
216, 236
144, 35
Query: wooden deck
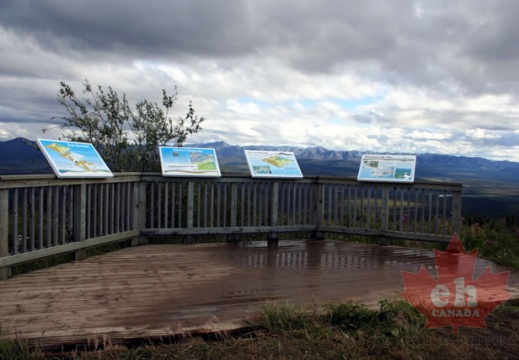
165, 290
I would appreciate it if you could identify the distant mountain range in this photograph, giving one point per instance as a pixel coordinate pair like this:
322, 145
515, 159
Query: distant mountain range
490, 188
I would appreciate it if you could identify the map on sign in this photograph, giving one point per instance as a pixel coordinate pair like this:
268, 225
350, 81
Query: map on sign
273, 164
393, 168
70, 159
180, 161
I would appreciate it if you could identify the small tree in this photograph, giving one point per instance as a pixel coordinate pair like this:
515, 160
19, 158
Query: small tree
127, 140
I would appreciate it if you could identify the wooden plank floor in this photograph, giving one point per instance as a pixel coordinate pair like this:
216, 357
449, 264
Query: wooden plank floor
163, 290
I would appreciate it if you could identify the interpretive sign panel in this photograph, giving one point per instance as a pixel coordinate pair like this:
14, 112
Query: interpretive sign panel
70, 159
279, 164
180, 161
392, 168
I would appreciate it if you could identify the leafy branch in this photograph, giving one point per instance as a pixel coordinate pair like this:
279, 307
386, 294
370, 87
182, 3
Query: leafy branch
126, 139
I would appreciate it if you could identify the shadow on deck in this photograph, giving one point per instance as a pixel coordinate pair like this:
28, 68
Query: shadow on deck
167, 290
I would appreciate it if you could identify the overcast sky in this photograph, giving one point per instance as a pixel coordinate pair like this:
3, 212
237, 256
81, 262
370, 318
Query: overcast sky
438, 76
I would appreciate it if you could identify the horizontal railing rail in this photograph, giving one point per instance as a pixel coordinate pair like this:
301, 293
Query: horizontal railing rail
43, 216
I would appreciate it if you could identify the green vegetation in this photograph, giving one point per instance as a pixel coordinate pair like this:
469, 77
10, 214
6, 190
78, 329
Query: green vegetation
17, 349
394, 330
496, 240
125, 138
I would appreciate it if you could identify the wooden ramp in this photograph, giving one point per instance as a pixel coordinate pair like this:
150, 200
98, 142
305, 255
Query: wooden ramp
165, 290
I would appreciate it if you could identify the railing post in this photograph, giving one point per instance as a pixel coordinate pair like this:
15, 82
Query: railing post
190, 204
318, 209
5, 272
385, 209
384, 215
274, 213
190, 209
234, 212
80, 219
139, 211
456, 212
234, 204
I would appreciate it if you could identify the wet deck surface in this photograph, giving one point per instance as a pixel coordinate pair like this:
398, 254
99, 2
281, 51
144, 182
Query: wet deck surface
163, 290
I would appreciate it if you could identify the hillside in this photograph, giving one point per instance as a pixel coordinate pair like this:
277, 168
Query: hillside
490, 188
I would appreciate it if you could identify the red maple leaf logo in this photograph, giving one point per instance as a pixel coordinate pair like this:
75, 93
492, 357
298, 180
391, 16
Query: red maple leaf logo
455, 298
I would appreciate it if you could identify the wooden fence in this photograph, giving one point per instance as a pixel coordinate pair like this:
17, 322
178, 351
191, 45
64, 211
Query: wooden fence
42, 216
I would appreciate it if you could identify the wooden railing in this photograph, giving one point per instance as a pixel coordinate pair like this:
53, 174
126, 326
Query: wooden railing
42, 216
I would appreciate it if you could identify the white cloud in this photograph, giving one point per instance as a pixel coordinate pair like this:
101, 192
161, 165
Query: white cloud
426, 135
399, 76
481, 134
247, 108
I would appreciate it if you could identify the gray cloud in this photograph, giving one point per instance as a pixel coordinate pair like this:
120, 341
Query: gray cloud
148, 29
444, 63
398, 41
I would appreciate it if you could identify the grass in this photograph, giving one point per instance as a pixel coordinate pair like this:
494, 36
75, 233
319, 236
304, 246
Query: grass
496, 240
348, 330
14, 348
